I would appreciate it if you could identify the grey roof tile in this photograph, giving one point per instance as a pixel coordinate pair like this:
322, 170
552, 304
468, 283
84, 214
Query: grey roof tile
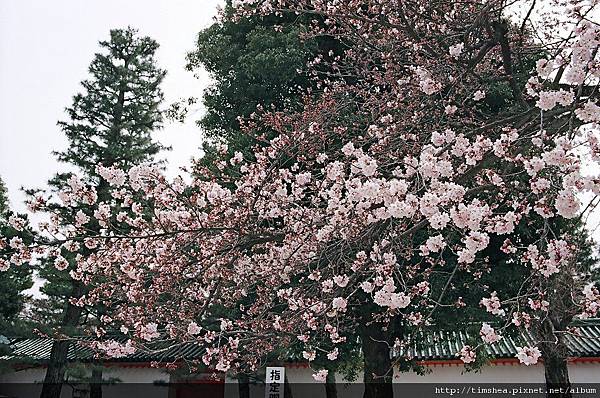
432, 345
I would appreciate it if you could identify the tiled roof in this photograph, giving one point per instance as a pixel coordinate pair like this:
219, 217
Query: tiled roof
438, 345
38, 349
441, 345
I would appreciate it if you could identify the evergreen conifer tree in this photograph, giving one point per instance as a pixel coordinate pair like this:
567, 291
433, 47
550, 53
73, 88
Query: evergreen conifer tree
109, 124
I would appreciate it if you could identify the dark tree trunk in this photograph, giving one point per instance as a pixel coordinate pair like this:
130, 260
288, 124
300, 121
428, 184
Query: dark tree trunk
287, 388
330, 387
96, 384
243, 386
56, 369
557, 376
57, 364
554, 354
377, 362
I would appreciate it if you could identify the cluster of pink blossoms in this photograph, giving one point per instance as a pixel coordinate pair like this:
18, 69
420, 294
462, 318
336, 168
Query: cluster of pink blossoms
488, 334
467, 354
114, 349
528, 355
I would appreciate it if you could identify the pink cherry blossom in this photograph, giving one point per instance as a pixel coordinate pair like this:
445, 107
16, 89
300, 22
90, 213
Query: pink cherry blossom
149, 331
590, 112
332, 356
567, 204
450, 109
193, 328
456, 50
528, 355
61, 263
492, 304
309, 355
114, 349
488, 334
17, 222
544, 67
339, 304
112, 175
479, 95
321, 375
341, 280
590, 301
549, 99
467, 354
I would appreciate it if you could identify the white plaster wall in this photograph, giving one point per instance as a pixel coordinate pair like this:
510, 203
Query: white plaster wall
488, 374
24, 376
302, 384
25, 383
125, 375
510, 373
20, 384
584, 373
136, 382
137, 375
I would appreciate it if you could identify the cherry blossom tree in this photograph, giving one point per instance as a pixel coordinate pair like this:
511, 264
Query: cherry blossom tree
453, 124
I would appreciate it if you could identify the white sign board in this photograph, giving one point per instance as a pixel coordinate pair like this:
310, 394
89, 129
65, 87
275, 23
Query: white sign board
274, 382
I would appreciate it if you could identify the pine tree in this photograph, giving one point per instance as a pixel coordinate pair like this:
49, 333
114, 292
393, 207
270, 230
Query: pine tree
109, 124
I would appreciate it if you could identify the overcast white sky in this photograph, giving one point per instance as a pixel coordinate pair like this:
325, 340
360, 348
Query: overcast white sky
45, 49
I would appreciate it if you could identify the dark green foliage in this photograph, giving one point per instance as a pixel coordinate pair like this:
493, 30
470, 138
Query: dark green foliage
251, 64
256, 64
110, 124
14, 281
3, 198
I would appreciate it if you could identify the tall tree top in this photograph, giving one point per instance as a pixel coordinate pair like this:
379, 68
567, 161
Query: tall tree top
111, 121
